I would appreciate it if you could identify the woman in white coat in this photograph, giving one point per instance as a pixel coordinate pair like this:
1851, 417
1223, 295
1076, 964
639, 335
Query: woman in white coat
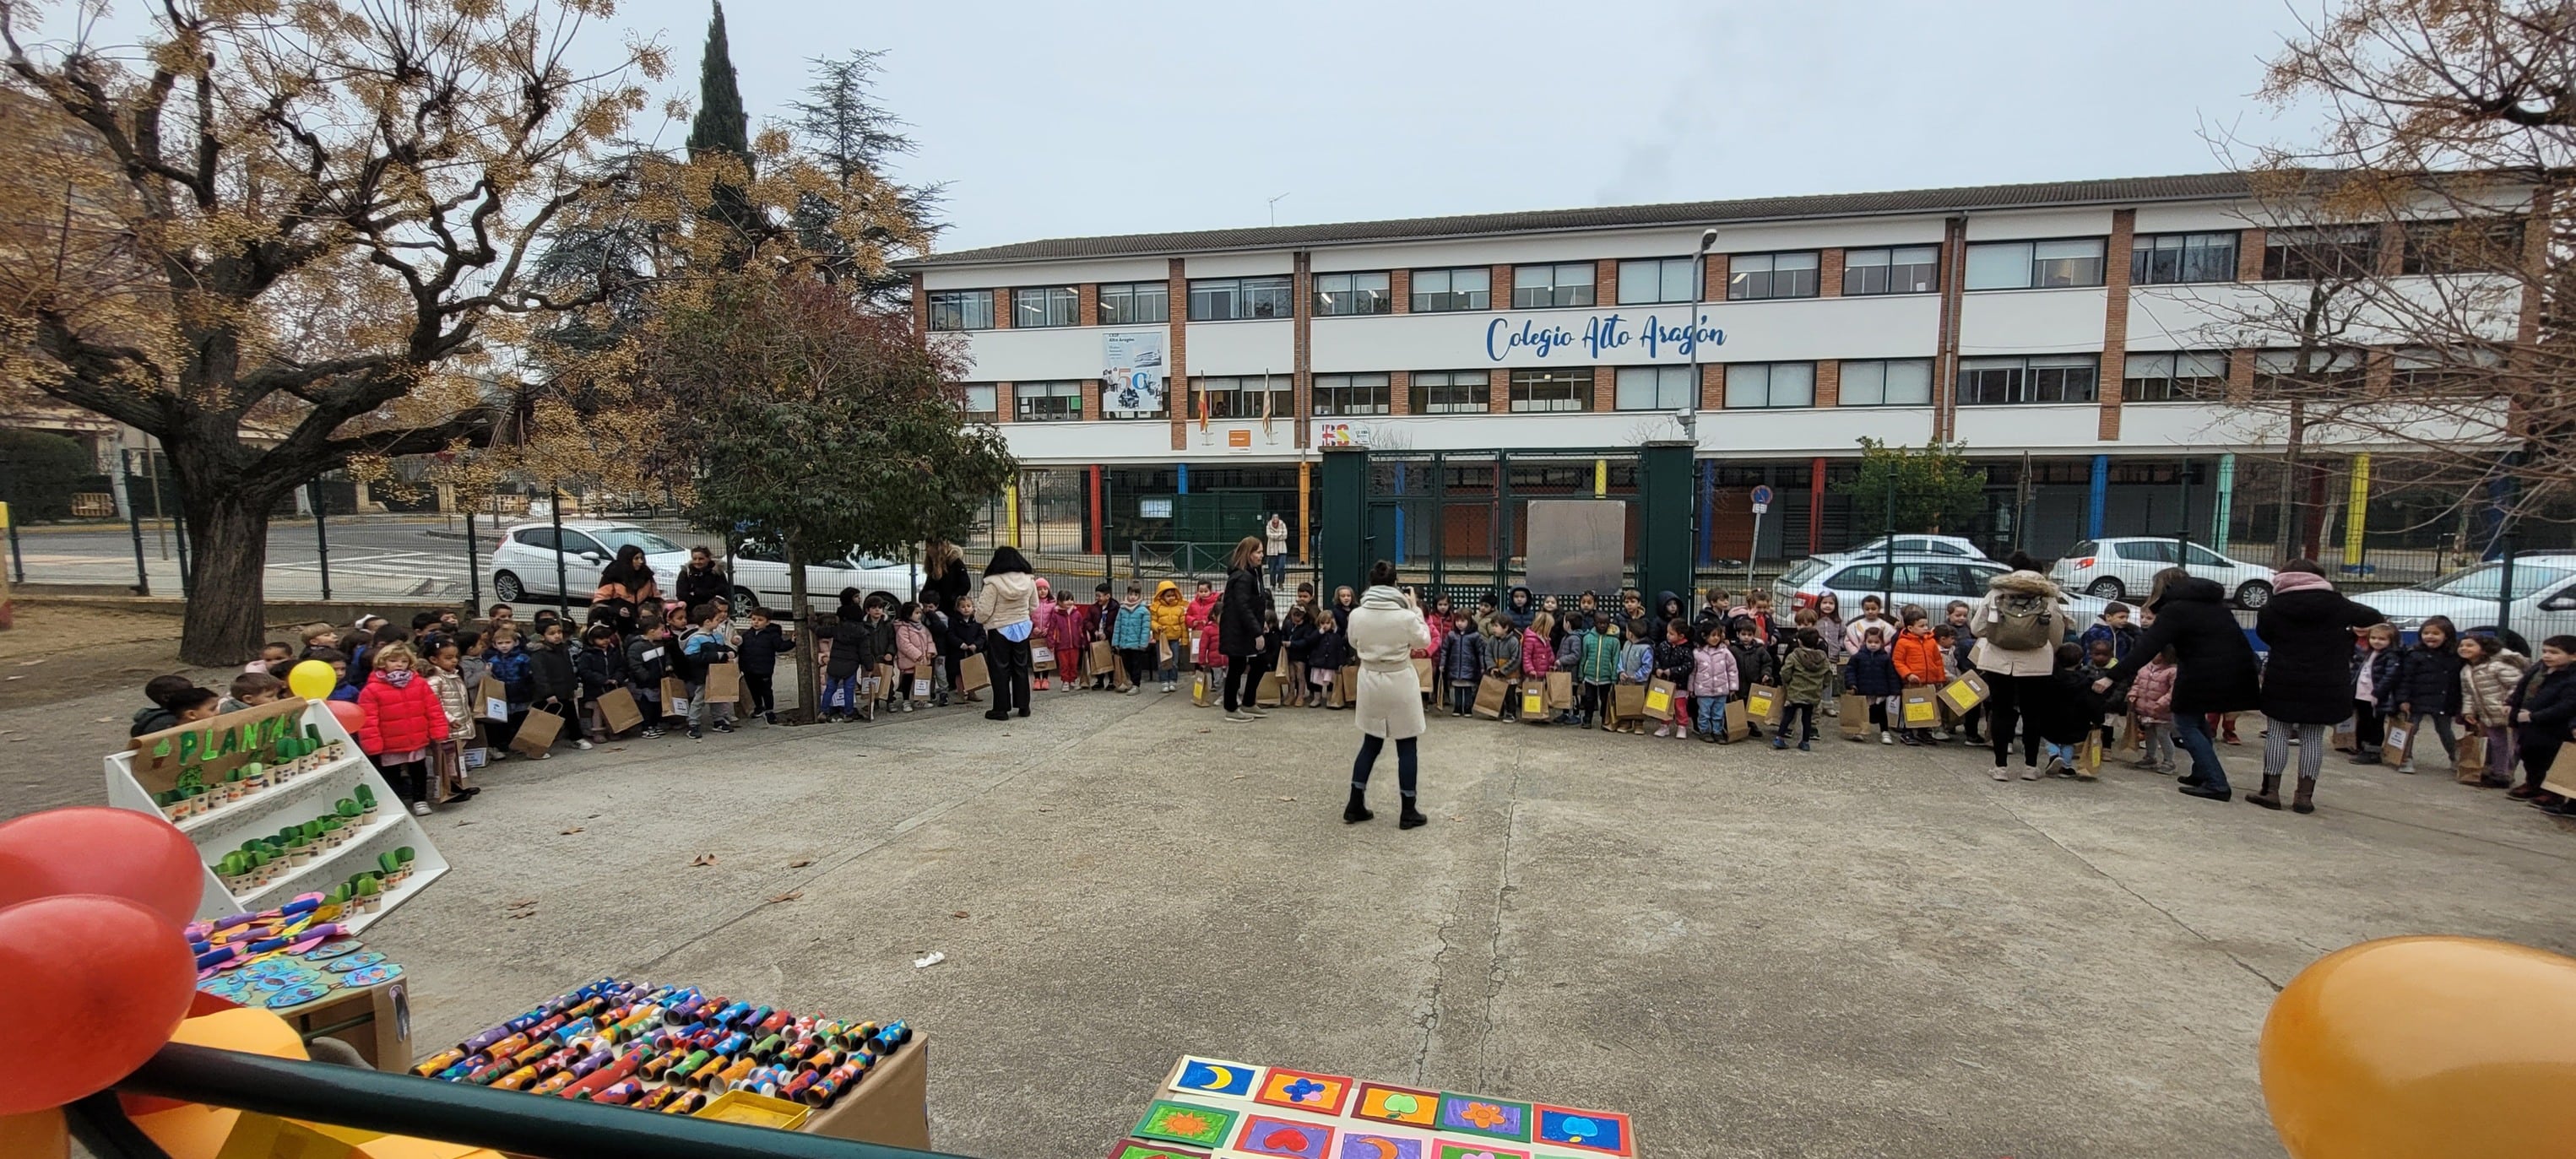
1385, 631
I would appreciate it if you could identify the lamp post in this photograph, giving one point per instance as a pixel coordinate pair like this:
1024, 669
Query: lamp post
1689, 415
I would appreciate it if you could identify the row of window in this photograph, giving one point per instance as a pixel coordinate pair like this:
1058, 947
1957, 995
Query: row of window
2327, 252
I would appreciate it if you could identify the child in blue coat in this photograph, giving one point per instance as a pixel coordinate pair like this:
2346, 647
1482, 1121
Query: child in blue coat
1873, 674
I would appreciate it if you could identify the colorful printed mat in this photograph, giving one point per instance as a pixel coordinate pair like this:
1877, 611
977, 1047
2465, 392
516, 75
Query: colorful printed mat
1210, 1108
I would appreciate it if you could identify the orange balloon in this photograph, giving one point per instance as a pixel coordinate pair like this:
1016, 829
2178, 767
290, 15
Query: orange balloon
93, 849
2425, 1048
96, 984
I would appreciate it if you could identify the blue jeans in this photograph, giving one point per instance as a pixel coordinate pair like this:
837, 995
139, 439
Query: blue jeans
2191, 731
1710, 713
1278, 569
840, 692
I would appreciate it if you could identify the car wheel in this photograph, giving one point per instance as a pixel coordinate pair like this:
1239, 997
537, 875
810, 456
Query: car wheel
507, 586
2106, 588
744, 601
2253, 595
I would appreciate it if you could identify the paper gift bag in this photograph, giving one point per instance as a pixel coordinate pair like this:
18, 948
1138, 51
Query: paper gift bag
476, 757
537, 732
1533, 704
2088, 759
496, 699
1739, 723
675, 696
1202, 689
1274, 688
1489, 697
1041, 659
2471, 764
2401, 729
1118, 676
1922, 708
1764, 704
1560, 691
1103, 657
1346, 686
723, 684
972, 675
617, 707
1964, 693
1627, 701
1659, 699
1854, 712
2346, 735
1422, 672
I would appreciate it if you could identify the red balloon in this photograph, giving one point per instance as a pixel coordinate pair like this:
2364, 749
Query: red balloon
99, 984
351, 716
91, 849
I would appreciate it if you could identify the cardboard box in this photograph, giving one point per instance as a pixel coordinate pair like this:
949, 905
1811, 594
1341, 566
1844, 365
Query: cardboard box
890, 1107
375, 1021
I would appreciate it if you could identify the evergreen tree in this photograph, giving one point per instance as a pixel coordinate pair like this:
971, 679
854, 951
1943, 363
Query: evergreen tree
856, 139
720, 126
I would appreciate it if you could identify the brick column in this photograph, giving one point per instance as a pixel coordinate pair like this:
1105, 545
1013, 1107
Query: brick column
2240, 375
2392, 248
2115, 319
2249, 254
1502, 294
1001, 309
1091, 399
1177, 395
1399, 288
1498, 391
2378, 371
1712, 386
1829, 382
1945, 349
1605, 388
1829, 273
1301, 329
1088, 294
1399, 388
1605, 282
1713, 279
1003, 407
920, 306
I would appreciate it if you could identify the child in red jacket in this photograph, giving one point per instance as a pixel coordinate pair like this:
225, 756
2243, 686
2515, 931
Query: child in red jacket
403, 719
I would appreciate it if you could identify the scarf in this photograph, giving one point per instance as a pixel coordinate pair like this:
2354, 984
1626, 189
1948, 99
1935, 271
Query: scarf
398, 677
2300, 581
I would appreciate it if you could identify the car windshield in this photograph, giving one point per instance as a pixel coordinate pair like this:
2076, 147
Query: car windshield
2486, 581
1806, 570
619, 538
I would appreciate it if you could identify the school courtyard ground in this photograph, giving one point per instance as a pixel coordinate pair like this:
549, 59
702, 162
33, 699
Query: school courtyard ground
1866, 951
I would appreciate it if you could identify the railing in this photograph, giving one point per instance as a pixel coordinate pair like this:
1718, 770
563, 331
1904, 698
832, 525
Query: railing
1184, 560
460, 1113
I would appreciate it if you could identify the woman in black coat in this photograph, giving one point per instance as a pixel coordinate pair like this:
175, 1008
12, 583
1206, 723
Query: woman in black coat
1241, 627
944, 582
2214, 668
2307, 682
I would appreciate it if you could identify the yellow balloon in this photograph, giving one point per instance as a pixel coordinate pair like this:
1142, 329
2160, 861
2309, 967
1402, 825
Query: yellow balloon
2425, 1048
312, 680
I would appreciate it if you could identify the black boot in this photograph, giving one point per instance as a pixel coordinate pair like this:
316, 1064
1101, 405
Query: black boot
2206, 792
2270, 797
1411, 818
2306, 800
1357, 811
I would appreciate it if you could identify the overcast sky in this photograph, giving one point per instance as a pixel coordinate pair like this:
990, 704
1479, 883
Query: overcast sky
1056, 119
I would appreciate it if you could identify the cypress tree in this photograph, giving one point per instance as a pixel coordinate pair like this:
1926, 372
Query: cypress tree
720, 125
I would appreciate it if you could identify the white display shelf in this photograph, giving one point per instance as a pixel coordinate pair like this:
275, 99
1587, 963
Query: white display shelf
268, 802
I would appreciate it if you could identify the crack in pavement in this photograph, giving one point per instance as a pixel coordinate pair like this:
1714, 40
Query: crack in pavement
1429, 1018
1503, 887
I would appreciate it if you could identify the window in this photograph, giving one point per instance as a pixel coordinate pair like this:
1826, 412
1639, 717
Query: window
1046, 402
1655, 388
2487, 244
1228, 299
1541, 287
1343, 294
2158, 259
1754, 385
1545, 390
981, 401
2050, 378
1351, 394
2321, 253
1449, 392
1655, 280
2178, 377
1911, 269
1244, 397
538, 538
1037, 307
2025, 265
2426, 369
1891, 382
1129, 303
961, 309
1752, 276
2327, 372
576, 543
1435, 291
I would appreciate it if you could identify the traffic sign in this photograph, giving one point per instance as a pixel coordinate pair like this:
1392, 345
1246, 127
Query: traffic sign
1760, 508
1761, 499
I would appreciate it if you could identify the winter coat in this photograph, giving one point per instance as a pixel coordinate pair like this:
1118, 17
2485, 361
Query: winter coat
1637, 663
1804, 674
599, 669
1918, 659
1713, 673
1066, 632
698, 587
1170, 612
1674, 662
2216, 664
1006, 599
2486, 689
511, 669
943, 591
1384, 632
1752, 664
2066, 708
1519, 607
1856, 634
1538, 656
1503, 655
151, 719
969, 635
1710, 616
2549, 695
1668, 608
647, 661
550, 674
2122, 638
1597, 657
399, 718
2039, 661
2383, 666
1243, 613
698, 650
1837, 644
455, 701
2308, 677
760, 649
1135, 630
1330, 651
2151, 693
1462, 657
1202, 609
2428, 681
1102, 618
858, 644
912, 646
1873, 673
1301, 641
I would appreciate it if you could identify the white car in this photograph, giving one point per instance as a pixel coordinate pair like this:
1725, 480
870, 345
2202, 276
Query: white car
2544, 598
1951, 546
523, 563
1929, 580
760, 577
2125, 568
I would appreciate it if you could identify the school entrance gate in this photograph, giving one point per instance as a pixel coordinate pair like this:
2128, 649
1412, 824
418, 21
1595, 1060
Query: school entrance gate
1457, 523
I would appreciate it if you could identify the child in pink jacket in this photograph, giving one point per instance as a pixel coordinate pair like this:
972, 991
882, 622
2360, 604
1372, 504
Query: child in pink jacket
1713, 680
913, 651
2151, 701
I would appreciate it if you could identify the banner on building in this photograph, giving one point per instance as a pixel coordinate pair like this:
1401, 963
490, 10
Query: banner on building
1134, 374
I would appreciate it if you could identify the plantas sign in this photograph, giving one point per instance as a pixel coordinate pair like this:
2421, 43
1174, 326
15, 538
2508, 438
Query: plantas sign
215, 745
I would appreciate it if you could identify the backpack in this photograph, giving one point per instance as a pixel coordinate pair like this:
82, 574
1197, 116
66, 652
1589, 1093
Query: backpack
2021, 621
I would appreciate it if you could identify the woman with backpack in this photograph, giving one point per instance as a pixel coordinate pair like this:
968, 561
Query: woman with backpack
2018, 627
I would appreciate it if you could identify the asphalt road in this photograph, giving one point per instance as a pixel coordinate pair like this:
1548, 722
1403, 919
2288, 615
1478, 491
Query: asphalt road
368, 558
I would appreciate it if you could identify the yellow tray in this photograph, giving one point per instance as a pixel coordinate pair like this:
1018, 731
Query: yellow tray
756, 1110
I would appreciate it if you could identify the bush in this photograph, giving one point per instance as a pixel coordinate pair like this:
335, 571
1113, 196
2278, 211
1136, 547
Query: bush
40, 472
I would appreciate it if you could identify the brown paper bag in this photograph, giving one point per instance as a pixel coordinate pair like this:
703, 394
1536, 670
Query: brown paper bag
496, 699
1273, 690
1041, 659
972, 675
2471, 764
537, 732
1103, 658
1765, 704
1118, 675
1490, 693
723, 684
1739, 723
1422, 672
1560, 691
675, 696
617, 707
1922, 707
1660, 698
1964, 693
1627, 701
1346, 686
1854, 715
2088, 758
2347, 735
1203, 688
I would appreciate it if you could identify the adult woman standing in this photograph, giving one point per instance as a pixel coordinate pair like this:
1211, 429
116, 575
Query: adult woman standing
2307, 684
1010, 590
624, 585
2214, 668
943, 582
2018, 627
1240, 630
701, 582
1275, 545
1385, 630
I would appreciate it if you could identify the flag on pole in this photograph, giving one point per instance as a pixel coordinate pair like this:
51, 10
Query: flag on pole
1267, 399
1203, 409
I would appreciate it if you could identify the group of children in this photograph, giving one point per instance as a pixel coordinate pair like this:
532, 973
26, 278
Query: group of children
2519, 712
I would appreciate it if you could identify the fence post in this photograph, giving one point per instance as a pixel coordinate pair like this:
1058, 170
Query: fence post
17, 558
2504, 590
563, 597
321, 535
187, 572
134, 523
473, 571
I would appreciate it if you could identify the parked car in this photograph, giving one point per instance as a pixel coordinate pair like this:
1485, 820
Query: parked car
760, 577
523, 563
2544, 598
1951, 546
2122, 568
1929, 580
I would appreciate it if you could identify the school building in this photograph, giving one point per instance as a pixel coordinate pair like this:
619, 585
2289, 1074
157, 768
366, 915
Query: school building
2085, 341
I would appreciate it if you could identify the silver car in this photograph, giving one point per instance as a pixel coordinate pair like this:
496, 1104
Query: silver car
2544, 598
1929, 580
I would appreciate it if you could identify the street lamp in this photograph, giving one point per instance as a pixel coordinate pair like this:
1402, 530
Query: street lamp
1689, 414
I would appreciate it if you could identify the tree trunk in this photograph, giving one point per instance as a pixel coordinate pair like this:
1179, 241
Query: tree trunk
809, 671
228, 532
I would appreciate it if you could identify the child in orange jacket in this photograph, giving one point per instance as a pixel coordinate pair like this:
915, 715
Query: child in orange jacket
1919, 663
